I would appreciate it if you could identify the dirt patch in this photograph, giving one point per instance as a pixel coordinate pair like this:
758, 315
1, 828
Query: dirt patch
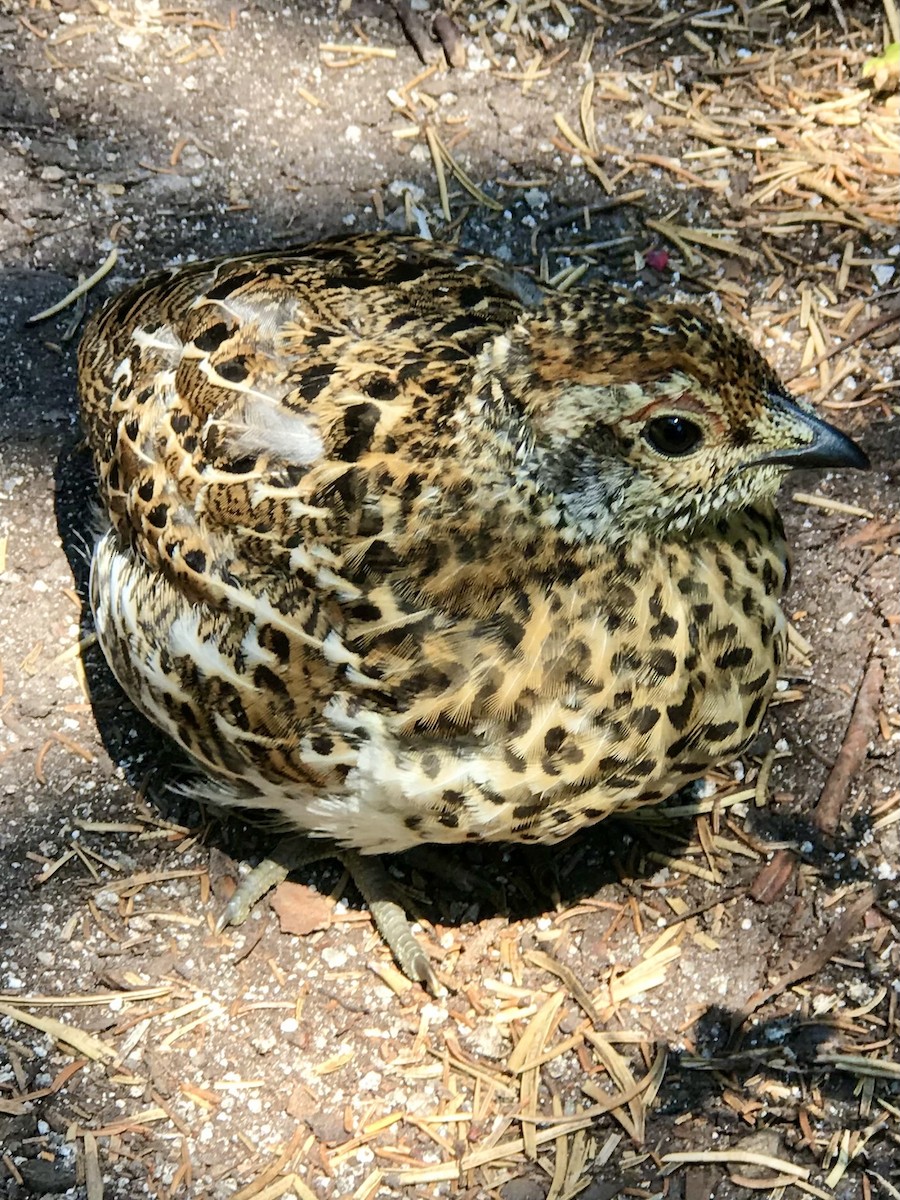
729, 154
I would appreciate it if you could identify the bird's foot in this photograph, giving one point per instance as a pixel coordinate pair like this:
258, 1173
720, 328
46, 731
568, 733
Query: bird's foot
290, 854
369, 876
393, 924
543, 869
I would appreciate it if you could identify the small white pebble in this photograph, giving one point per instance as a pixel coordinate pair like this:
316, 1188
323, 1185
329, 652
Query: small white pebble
883, 274
334, 957
433, 1014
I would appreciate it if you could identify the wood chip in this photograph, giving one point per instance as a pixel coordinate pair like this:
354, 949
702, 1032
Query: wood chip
828, 946
852, 754
92, 1176
301, 909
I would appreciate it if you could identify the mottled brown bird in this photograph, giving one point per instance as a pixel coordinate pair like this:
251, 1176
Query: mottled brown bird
410, 550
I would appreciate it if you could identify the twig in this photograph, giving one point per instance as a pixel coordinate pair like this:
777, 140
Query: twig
875, 531
415, 31
774, 877
449, 37
577, 214
852, 753
839, 13
814, 962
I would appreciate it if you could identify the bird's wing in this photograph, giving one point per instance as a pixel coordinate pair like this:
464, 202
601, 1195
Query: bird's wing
230, 404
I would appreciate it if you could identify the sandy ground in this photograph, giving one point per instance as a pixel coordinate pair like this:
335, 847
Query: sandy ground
143, 1055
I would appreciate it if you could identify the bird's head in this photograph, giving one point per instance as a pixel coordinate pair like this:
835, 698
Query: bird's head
630, 417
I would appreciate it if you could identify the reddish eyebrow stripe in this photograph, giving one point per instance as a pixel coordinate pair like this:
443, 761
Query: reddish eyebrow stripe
685, 401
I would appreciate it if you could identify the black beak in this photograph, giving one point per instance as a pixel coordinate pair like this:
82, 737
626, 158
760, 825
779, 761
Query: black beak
827, 447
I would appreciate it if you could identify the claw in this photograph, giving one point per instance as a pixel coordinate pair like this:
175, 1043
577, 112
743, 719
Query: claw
392, 922
250, 890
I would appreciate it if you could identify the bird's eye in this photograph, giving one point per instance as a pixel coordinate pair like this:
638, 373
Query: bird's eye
673, 436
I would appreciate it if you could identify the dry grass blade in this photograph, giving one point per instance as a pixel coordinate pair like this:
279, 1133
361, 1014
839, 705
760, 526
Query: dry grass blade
858, 1064
573, 1162
637, 1096
73, 1000
525, 1059
588, 125
892, 16
889, 1189
679, 234
531, 1043
830, 505
61, 1079
85, 286
748, 1157
649, 973
764, 1183
546, 962
438, 159
358, 49
465, 180
134, 883
272, 1173
571, 136
487, 1077
85, 1043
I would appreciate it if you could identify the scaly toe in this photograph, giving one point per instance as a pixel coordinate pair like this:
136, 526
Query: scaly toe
249, 891
391, 920
290, 853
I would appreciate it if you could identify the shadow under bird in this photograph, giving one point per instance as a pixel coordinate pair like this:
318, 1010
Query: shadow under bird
409, 549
